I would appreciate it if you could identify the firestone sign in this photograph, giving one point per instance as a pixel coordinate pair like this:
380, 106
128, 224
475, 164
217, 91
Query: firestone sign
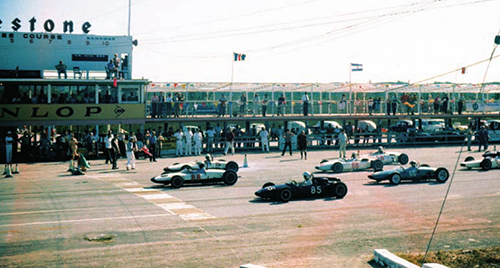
49, 25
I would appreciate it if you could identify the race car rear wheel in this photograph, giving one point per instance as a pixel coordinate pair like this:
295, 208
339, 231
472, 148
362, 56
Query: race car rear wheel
395, 179
337, 167
285, 195
486, 164
377, 165
233, 166
469, 158
441, 175
403, 159
339, 190
230, 177
177, 182
267, 184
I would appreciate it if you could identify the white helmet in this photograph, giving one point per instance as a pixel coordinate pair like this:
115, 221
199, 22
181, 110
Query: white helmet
209, 157
413, 163
307, 175
380, 149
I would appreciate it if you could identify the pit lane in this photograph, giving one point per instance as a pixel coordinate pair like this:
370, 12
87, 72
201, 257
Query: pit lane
46, 214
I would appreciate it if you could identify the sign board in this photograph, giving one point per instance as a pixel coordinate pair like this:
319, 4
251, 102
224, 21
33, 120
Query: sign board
60, 112
42, 51
483, 106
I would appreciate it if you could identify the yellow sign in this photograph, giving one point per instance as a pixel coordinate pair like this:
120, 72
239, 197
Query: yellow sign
46, 112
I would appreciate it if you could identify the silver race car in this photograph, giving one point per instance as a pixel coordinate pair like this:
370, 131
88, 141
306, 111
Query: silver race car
355, 163
201, 176
209, 162
490, 160
388, 157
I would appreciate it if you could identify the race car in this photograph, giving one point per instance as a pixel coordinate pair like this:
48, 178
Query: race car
415, 172
490, 160
209, 163
388, 157
355, 163
178, 179
312, 186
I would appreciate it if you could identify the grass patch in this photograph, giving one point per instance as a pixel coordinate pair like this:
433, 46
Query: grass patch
474, 258
99, 238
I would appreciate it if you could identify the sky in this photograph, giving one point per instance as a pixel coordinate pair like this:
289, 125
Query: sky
289, 41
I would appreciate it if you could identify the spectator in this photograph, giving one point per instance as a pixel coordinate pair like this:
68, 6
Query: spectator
436, 104
243, 104
343, 104
124, 72
152, 146
110, 70
210, 139
229, 141
264, 105
159, 142
42, 98
483, 137
9, 141
115, 152
197, 138
26, 148
131, 149
222, 106
281, 105
45, 145
469, 135
405, 101
61, 69
178, 137
388, 106
154, 105
394, 103
73, 147
302, 144
444, 106
288, 141
188, 139
370, 106
108, 147
343, 141
107, 98
358, 104
116, 62
72, 99
168, 102
264, 139
61, 99
256, 102
461, 102
305, 108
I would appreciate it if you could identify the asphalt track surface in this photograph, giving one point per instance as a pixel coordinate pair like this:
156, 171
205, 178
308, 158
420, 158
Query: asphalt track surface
119, 218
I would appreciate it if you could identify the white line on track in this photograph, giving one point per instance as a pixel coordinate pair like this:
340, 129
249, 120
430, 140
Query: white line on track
86, 220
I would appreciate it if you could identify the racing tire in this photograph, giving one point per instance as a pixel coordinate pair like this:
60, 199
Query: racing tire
267, 184
339, 190
395, 179
285, 195
486, 164
469, 158
229, 177
403, 159
233, 166
177, 182
441, 175
323, 161
377, 165
337, 168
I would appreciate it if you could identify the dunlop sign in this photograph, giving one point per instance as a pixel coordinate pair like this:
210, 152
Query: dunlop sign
46, 112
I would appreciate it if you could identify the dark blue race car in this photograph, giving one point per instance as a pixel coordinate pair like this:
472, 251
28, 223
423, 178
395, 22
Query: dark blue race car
312, 187
413, 173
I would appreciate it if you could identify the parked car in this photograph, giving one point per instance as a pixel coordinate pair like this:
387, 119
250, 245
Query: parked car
362, 124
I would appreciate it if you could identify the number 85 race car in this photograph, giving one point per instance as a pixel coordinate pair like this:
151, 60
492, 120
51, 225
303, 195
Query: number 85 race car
311, 187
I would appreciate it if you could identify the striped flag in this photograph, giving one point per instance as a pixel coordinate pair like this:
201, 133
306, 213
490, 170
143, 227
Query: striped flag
239, 57
356, 67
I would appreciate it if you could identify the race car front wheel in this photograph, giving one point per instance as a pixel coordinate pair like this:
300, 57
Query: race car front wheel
403, 159
339, 190
337, 167
230, 177
177, 182
377, 165
395, 179
486, 164
441, 175
231, 165
285, 195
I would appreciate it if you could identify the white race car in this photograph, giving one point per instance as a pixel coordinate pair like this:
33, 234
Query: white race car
339, 165
209, 162
178, 179
490, 160
388, 157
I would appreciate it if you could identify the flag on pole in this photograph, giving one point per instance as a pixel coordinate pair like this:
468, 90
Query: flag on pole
239, 57
356, 67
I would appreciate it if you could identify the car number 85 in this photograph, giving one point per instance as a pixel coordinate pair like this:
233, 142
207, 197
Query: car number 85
316, 190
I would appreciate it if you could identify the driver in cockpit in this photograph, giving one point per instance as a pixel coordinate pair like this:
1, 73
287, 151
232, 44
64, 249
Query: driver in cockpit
354, 156
208, 160
201, 169
381, 150
307, 178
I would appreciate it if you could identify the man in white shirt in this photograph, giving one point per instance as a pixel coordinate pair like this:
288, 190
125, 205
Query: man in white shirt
189, 141
178, 137
107, 146
256, 102
342, 143
210, 139
305, 104
197, 138
264, 140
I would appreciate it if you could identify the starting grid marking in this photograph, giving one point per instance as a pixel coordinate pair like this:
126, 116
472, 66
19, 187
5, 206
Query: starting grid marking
165, 201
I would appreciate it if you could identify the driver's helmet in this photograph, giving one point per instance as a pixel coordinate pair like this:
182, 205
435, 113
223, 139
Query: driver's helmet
209, 157
201, 165
381, 149
413, 163
307, 175
354, 155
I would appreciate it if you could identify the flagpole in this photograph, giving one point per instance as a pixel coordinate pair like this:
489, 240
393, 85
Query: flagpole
231, 85
350, 87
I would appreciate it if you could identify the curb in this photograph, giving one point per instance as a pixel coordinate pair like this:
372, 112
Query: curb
387, 259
